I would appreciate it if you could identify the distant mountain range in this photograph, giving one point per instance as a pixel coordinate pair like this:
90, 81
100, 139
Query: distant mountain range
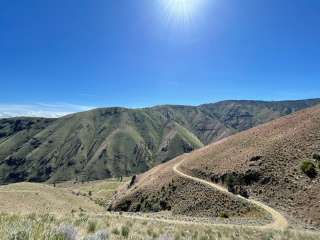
111, 142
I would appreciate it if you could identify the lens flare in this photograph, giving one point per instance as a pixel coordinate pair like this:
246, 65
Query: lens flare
181, 11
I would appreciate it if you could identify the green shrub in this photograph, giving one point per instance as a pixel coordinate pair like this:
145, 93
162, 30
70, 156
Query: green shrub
132, 182
81, 220
115, 231
125, 231
92, 226
224, 215
231, 182
308, 168
149, 231
316, 156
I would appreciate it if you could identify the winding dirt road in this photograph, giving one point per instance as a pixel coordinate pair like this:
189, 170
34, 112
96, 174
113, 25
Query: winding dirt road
279, 221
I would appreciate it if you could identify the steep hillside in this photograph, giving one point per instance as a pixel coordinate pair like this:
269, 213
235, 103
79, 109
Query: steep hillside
116, 141
265, 163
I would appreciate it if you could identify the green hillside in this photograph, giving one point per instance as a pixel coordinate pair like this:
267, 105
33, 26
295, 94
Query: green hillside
115, 142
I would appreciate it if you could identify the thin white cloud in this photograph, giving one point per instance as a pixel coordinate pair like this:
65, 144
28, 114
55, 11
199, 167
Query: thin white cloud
40, 110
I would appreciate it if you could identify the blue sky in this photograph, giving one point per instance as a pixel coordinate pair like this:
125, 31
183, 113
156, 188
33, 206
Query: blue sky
63, 56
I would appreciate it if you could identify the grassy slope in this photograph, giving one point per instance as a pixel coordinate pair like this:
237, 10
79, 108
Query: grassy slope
27, 198
274, 177
116, 141
42, 216
63, 199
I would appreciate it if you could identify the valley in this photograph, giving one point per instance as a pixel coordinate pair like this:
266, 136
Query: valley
114, 142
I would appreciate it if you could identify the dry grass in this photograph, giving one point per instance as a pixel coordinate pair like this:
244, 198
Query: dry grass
22, 223
46, 227
27, 198
65, 198
98, 191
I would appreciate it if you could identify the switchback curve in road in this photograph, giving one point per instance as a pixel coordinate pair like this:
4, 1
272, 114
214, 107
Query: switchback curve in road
279, 222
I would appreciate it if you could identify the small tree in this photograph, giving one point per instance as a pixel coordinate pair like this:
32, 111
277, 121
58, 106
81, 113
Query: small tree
133, 180
224, 215
231, 182
316, 156
308, 168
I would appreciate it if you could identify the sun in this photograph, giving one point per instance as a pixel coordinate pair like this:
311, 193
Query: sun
181, 11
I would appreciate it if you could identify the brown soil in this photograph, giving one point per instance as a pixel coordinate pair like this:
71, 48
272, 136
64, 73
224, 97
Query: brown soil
163, 189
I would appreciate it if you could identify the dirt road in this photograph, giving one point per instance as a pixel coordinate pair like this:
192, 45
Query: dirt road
279, 221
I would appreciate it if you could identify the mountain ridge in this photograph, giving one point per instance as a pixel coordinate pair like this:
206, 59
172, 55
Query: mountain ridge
111, 142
